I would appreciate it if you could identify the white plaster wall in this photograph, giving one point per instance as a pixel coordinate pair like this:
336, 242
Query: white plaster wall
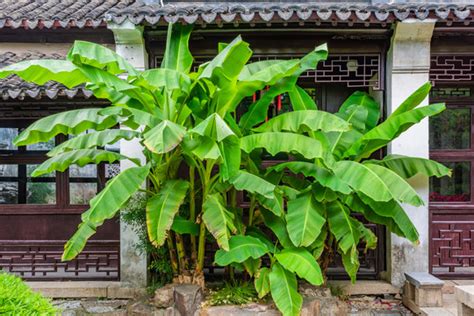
407, 69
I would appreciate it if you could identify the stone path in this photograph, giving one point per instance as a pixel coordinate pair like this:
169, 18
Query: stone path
92, 307
375, 306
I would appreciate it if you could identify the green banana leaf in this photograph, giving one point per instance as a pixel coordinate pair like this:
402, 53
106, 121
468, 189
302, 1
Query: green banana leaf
94, 139
44, 70
339, 142
184, 226
304, 220
104, 206
162, 208
384, 133
219, 221
278, 226
169, 79
230, 153
323, 176
164, 137
252, 183
70, 123
225, 68
363, 99
241, 248
407, 167
301, 262
393, 210
275, 204
177, 54
98, 56
343, 226
350, 261
284, 290
400, 189
213, 127
301, 100
276, 142
258, 110
363, 179
80, 157
262, 282
414, 99
304, 121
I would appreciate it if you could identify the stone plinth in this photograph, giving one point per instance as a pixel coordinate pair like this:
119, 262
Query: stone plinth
422, 290
465, 300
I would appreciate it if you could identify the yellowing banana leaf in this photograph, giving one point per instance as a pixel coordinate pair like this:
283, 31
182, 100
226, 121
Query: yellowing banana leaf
219, 221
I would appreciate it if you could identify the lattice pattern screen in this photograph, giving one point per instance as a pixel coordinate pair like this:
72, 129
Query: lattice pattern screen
452, 68
357, 71
36, 260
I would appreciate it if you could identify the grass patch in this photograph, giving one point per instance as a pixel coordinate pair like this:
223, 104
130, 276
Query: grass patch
233, 293
16, 298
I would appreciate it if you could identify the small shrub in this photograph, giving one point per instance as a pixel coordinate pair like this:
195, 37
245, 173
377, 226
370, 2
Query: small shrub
233, 293
133, 214
16, 298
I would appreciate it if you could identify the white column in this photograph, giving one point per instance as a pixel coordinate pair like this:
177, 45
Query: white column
130, 44
408, 64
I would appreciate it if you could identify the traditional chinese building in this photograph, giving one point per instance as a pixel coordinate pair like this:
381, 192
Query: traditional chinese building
386, 48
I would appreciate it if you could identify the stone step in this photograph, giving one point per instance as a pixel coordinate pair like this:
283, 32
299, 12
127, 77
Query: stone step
437, 311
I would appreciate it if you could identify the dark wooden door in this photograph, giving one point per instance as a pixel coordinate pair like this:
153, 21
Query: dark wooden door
451, 199
38, 215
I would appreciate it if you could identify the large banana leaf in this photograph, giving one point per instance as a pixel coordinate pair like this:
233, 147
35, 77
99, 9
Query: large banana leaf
219, 221
241, 248
44, 70
339, 142
407, 167
304, 220
343, 226
98, 56
262, 282
162, 208
164, 137
365, 100
301, 100
258, 110
256, 76
94, 139
225, 68
382, 134
177, 54
104, 206
284, 290
202, 147
350, 260
323, 176
304, 121
395, 211
80, 157
278, 226
230, 153
275, 204
414, 99
184, 226
254, 184
276, 142
301, 262
363, 179
400, 189
170, 79
69, 123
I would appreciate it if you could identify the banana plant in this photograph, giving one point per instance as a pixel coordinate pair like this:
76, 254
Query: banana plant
323, 187
197, 153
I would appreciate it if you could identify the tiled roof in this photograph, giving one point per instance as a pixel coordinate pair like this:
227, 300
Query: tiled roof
13, 87
57, 13
94, 13
375, 11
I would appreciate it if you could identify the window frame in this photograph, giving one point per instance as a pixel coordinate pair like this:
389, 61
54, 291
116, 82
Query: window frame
21, 156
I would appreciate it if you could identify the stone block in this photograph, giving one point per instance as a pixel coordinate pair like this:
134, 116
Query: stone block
465, 300
422, 290
187, 298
